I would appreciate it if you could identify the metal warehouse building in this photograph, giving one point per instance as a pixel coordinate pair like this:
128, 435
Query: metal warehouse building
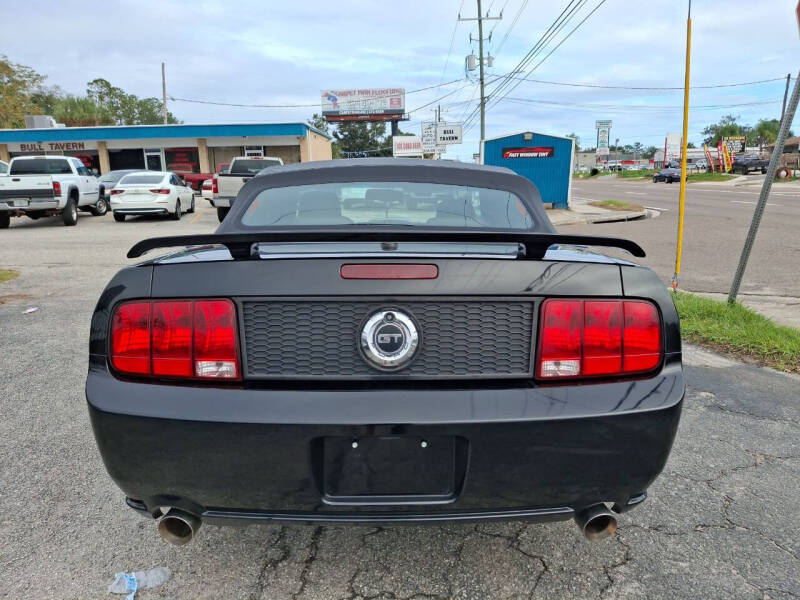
544, 159
180, 148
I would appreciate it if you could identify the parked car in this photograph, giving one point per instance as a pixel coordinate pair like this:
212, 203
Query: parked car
701, 165
3, 168
311, 363
744, 163
109, 180
151, 192
669, 175
227, 185
40, 186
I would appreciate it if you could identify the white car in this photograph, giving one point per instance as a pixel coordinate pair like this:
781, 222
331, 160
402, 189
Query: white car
151, 192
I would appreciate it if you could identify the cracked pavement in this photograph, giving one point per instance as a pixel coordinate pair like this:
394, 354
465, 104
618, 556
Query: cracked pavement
722, 521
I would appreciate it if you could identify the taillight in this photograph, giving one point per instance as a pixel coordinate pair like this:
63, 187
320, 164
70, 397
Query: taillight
56, 188
160, 191
115, 192
597, 338
214, 186
183, 339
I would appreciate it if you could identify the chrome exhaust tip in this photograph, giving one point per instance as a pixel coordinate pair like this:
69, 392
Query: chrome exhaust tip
178, 527
596, 522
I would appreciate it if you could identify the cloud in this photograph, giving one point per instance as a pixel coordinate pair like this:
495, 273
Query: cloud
269, 52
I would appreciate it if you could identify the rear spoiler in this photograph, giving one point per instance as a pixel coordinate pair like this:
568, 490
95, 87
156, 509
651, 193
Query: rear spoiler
240, 245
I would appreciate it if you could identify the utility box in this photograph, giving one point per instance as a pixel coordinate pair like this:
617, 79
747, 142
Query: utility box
544, 159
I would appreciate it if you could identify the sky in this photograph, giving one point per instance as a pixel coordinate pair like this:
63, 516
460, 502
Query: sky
283, 53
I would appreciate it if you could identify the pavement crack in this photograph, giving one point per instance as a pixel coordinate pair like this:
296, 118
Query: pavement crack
609, 569
261, 581
313, 548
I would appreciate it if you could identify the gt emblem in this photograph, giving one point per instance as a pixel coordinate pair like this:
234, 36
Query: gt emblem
389, 339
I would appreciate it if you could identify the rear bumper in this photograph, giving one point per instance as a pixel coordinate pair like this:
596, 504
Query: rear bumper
236, 455
32, 204
223, 201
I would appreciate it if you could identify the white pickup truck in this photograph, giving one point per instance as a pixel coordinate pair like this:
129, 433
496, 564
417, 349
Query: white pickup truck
3, 168
42, 186
225, 186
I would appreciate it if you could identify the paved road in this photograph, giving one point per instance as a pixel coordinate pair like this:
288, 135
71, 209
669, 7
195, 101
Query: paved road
721, 522
716, 224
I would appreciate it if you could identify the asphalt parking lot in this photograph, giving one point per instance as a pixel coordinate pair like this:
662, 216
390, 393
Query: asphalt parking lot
723, 520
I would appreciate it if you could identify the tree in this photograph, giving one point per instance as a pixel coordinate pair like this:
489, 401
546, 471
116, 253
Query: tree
360, 136
765, 132
727, 126
649, 152
577, 139
17, 83
124, 108
80, 111
690, 145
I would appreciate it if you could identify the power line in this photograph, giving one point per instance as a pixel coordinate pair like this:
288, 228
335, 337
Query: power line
642, 107
514, 22
452, 38
564, 39
566, 14
649, 88
430, 87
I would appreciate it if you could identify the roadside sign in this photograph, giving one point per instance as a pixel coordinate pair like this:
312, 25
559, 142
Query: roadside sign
429, 137
735, 143
603, 135
447, 134
406, 145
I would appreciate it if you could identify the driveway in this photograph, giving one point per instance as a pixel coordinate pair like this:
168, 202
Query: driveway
721, 522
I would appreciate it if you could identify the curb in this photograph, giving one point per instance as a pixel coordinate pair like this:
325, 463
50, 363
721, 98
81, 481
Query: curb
573, 218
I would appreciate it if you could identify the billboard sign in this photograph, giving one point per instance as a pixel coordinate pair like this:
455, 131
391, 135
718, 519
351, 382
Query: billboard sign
407, 145
672, 146
603, 134
363, 104
447, 134
529, 152
735, 143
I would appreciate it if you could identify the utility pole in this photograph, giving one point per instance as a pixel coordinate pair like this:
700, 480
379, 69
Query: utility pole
785, 94
164, 89
786, 122
480, 19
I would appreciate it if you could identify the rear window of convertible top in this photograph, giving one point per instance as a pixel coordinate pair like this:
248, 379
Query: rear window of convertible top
387, 203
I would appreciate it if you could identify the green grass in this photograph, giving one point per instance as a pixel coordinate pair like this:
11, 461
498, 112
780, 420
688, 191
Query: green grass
787, 180
646, 173
6, 275
616, 205
739, 331
695, 177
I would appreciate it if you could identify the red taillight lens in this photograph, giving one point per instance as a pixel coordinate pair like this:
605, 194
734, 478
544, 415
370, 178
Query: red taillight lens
56, 188
172, 339
189, 339
115, 192
160, 191
215, 339
130, 338
388, 271
592, 338
641, 347
214, 186
560, 349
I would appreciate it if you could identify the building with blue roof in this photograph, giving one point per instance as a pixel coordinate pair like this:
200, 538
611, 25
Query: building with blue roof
180, 148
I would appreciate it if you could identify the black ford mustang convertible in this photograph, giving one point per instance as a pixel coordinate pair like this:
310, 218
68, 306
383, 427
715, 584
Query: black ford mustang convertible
376, 341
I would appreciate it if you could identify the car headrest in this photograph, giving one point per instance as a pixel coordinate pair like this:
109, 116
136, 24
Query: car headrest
320, 201
383, 195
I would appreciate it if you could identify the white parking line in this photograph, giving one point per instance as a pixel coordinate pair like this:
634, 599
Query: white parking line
657, 208
748, 202
637, 193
